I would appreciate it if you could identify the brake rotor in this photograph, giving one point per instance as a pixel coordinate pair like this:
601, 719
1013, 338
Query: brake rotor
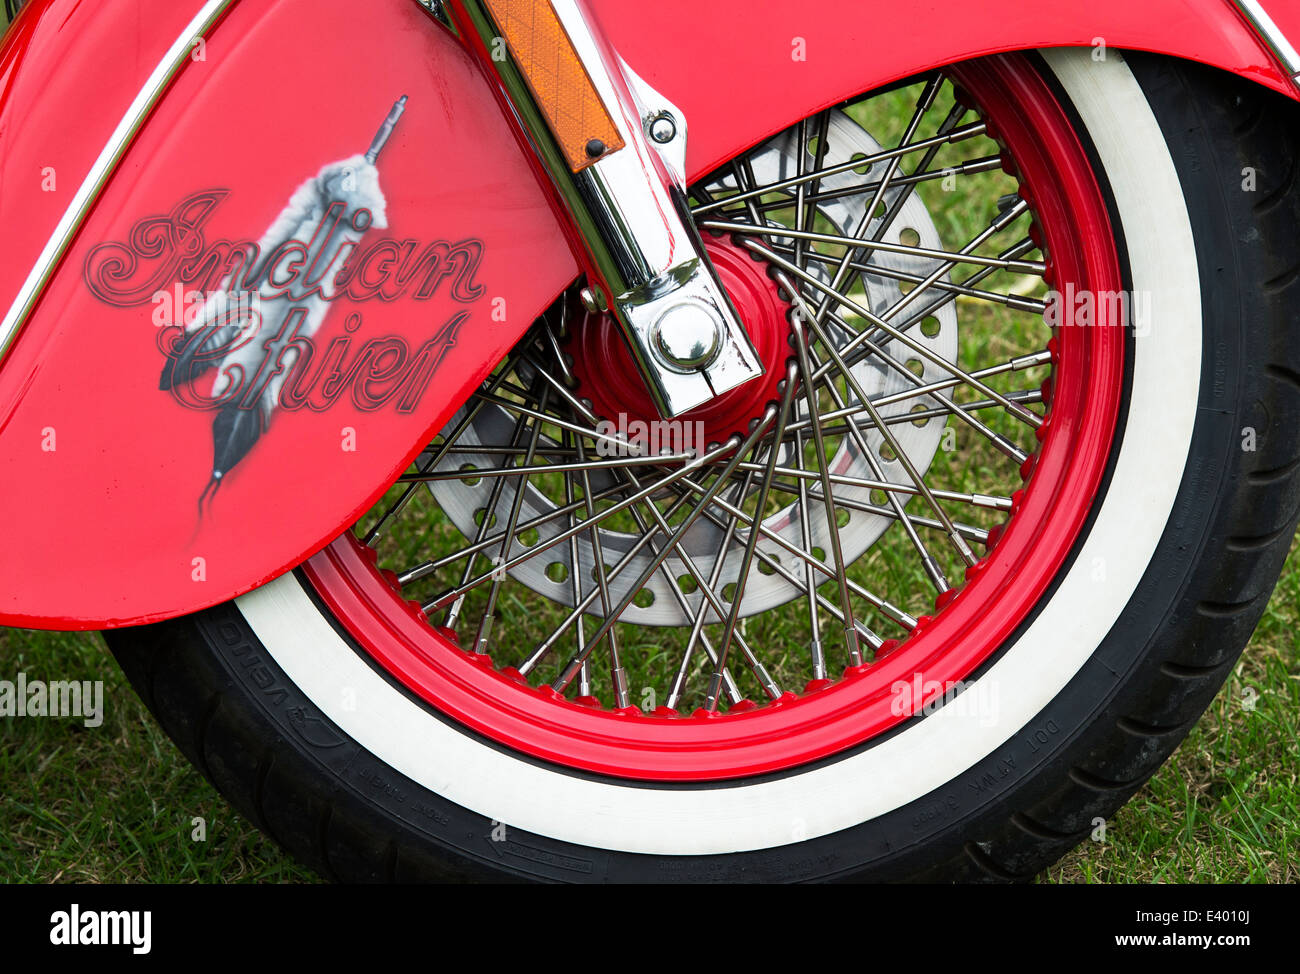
607, 378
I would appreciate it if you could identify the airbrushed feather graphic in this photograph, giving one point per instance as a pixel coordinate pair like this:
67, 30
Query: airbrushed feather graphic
261, 318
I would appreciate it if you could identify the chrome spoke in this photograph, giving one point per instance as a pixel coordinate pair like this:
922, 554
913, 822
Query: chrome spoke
1016, 265
957, 135
1020, 412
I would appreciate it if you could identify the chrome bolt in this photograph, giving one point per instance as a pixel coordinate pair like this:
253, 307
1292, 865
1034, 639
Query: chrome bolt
662, 128
686, 336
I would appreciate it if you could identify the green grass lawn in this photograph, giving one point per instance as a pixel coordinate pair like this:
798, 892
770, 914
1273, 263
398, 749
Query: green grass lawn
118, 803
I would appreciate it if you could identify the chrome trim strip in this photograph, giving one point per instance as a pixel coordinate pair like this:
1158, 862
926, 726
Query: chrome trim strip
1272, 35
103, 167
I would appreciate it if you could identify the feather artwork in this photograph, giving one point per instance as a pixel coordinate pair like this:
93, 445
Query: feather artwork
252, 326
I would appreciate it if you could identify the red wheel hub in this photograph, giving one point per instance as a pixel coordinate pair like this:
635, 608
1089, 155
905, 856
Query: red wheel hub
609, 378
1062, 481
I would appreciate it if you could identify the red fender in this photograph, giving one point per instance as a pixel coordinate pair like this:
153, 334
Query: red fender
102, 471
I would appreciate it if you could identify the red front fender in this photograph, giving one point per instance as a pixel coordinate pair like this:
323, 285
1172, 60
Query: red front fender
103, 470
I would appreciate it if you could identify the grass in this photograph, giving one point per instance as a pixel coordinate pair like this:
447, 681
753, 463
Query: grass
118, 803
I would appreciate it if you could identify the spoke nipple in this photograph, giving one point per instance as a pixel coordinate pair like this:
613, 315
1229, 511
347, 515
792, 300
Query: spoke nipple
887, 648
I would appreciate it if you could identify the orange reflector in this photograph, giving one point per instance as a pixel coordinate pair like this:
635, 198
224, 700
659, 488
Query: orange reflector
561, 85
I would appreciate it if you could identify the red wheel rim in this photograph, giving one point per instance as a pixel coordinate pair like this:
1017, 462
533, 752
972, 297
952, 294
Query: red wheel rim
1061, 482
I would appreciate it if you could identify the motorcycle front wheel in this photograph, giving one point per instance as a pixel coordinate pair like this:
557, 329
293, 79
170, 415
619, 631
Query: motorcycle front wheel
944, 587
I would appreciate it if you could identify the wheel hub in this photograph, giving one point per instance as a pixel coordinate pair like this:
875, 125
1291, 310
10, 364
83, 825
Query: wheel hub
608, 377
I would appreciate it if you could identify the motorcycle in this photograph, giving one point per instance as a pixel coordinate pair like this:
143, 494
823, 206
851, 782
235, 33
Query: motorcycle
593, 441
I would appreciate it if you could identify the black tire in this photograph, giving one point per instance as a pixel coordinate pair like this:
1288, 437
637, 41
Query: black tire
337, 807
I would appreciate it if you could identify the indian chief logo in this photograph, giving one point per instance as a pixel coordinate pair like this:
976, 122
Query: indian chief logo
238, 319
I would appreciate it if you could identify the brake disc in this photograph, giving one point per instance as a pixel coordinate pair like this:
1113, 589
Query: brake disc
667, 599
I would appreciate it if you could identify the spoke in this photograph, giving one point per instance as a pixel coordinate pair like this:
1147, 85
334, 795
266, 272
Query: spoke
986, 164
446, 598
931, 565
547, 644
805, 585
747, 560
1015, 409
707, 590
923, 105
575, 576
1034, 267
582, 466
967, 530
589, 433
1025, 246
486, 620
1003, 445
449, 440
618, 674
1015, 301
1018, 364
1023, 396
427, 568
957, 135
697, 624
810, 583
884, 605
992, 502
1000, 223
832, 527
489, 512
571, 669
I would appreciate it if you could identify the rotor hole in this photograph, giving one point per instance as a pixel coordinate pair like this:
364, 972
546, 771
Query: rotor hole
815, 146
863, 169
528, 537
887, 453
919, 408
930, 327
878, 498
470, 468
644, 599
557, 571
767, 566
915, 366
479, 515
687, 583
909, 237
841, 517
819, 554
729, 592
